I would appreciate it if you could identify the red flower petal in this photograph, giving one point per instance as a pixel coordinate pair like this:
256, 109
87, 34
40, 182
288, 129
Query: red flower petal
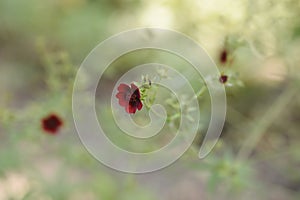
122, 98
139, 105
133, 87
135, 90
123, 87
130, 109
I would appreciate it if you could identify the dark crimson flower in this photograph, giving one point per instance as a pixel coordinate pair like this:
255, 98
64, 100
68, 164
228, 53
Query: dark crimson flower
51, 124
129, 97
223, 78
223, 56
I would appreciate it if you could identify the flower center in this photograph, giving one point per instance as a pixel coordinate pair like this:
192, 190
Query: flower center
133, 99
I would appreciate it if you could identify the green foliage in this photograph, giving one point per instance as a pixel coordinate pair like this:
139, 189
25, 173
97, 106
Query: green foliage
42, 43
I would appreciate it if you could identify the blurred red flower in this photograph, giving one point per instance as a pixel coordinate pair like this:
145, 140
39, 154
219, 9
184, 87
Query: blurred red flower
223, 56
129, 97
223, 78
51, 124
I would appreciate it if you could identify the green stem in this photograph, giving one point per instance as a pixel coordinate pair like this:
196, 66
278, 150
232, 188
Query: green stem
201, 91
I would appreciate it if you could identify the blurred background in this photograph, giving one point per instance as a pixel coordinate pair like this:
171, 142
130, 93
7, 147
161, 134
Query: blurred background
255, 43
